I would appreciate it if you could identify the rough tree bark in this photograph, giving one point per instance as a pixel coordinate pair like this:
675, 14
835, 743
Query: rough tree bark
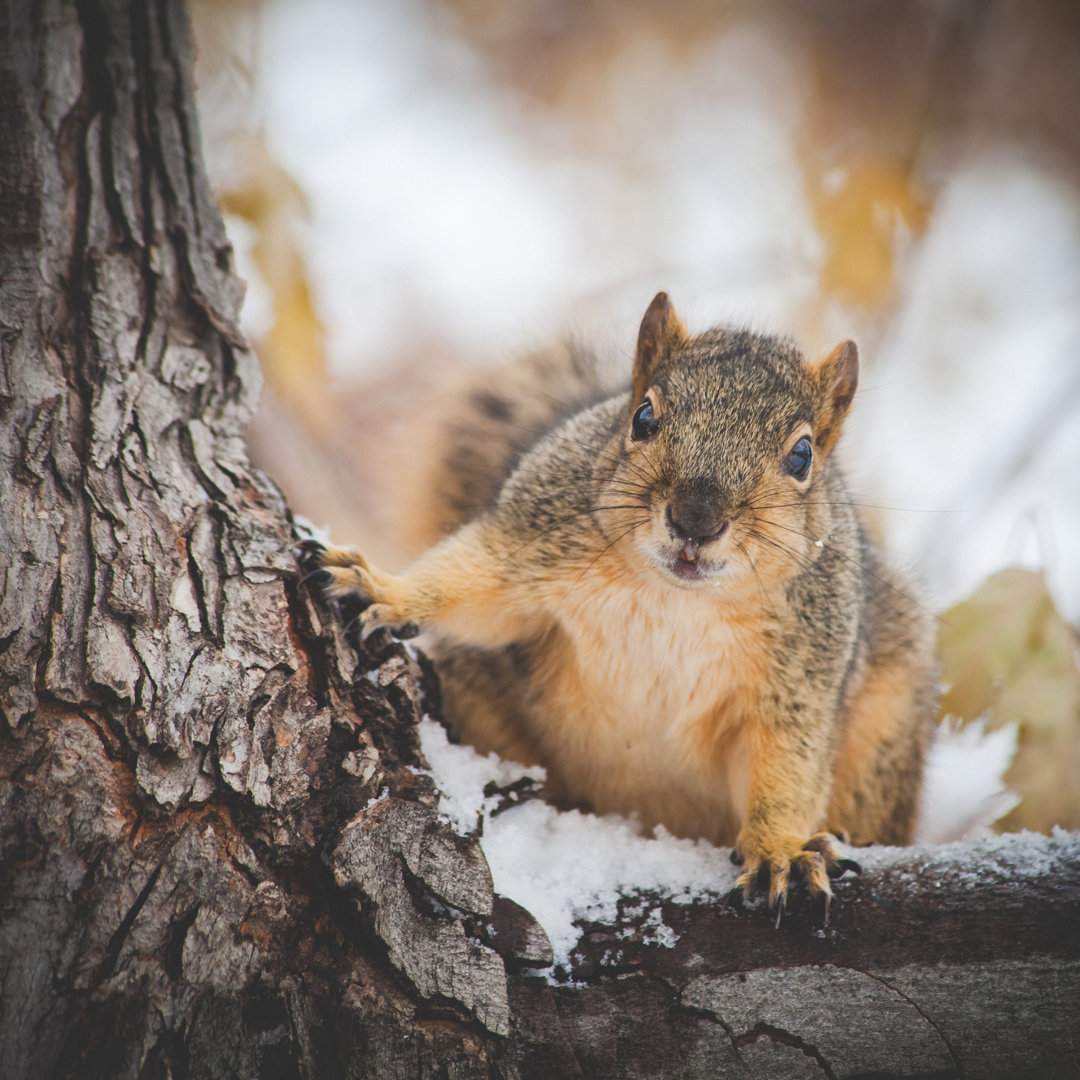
219, 853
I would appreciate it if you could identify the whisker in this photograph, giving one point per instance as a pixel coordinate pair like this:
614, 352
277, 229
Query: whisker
856, 505
624, 488
766, 602
626, 532
571, 517
856, 563
799, 560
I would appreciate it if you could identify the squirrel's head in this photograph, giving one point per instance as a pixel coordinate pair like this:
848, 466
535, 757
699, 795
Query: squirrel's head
724, 447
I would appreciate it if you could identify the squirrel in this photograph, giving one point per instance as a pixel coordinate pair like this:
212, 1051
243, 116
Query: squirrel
664, 595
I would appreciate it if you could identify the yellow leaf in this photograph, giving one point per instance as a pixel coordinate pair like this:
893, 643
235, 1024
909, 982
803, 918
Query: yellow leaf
1008, 654
291, 353
860, 217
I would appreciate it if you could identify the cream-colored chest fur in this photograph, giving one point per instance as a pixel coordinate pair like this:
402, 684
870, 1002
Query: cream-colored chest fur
645, 706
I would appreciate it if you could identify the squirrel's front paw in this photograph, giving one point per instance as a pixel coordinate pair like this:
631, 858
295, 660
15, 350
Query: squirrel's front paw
815, 860
343, 572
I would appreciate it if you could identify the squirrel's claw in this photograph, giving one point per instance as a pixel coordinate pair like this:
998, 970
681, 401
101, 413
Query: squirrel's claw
309, 555
318, 576
373, 617
817, 861
342, 581
344, 575
340, 571
776, 871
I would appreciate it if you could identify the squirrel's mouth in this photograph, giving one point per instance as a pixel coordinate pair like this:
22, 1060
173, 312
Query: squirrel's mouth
686, 571
690, 571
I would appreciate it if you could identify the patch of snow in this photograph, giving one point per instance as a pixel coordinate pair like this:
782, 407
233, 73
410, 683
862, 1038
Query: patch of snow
657, 932
308, 529
566, 866
989, 861
462, 775
964, 792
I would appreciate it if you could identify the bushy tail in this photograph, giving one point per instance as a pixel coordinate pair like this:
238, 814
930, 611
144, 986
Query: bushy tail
484, 424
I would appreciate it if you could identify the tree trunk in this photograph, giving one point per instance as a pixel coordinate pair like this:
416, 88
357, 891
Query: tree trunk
219, 853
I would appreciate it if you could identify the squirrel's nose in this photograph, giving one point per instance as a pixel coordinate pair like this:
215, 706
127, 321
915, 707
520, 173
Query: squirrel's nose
695, 521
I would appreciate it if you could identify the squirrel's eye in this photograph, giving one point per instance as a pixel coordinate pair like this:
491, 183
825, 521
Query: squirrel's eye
644, 424
799, 458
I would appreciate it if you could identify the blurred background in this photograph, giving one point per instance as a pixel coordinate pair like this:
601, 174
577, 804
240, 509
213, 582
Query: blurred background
418, 186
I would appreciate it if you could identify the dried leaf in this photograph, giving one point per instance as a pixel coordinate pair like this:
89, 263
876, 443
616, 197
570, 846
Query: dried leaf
862, 212
291, 353
1009, 655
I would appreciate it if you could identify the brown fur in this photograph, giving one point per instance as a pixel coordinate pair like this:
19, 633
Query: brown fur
664, 611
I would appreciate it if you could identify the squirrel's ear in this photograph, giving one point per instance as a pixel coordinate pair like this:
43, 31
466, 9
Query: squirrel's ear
661, 332
837, 376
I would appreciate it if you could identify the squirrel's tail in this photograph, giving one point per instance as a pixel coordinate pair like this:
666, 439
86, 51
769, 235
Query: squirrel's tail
479, 428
